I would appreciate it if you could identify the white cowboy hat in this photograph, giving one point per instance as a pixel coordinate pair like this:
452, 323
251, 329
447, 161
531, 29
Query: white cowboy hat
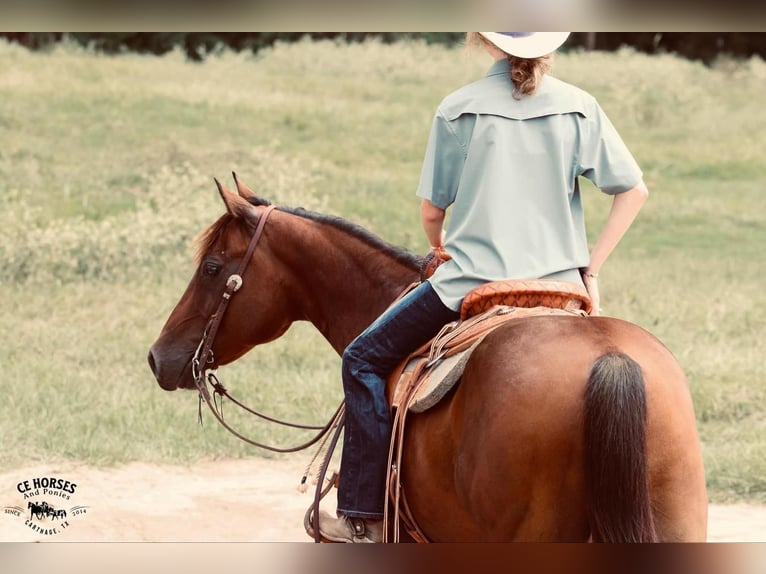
526, 44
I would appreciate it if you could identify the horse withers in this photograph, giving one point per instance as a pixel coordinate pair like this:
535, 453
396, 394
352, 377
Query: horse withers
560, 429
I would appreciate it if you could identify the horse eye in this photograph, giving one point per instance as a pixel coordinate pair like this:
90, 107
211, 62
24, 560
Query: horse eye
210, 269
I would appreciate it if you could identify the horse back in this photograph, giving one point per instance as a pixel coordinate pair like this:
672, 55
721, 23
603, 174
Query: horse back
534, 356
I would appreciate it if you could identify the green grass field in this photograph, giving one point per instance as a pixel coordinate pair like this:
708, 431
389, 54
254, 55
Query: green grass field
106, 167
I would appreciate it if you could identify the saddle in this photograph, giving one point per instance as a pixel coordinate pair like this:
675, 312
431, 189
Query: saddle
436, 367
427, 375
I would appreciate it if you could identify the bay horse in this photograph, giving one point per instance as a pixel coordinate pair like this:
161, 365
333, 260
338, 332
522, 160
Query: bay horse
561, 429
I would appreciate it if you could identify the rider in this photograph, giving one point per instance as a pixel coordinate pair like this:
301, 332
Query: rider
505, 152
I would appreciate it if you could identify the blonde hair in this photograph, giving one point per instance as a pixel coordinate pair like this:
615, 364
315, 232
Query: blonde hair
526, 73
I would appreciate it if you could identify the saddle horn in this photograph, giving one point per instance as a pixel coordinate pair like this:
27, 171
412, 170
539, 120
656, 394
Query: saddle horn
244, 191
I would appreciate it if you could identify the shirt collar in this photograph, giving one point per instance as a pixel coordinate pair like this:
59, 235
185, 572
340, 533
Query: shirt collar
499, 67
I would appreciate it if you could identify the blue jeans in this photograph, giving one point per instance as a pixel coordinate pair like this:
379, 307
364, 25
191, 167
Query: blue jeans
367, 362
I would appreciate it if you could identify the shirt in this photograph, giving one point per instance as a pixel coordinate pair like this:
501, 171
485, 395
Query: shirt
509, 170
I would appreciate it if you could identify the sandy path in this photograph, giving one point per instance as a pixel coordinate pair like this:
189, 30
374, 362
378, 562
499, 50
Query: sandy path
242, 500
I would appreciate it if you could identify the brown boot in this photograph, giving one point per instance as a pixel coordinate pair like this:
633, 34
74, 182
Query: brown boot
350, 528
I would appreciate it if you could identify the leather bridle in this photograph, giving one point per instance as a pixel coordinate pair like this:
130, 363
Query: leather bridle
203, 357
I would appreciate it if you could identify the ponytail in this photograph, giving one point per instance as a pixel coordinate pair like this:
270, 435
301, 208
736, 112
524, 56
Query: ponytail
526, 73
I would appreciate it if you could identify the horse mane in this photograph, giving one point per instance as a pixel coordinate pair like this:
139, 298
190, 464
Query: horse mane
207, 239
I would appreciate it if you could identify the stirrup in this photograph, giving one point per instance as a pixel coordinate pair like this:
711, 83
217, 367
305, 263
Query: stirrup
350, 529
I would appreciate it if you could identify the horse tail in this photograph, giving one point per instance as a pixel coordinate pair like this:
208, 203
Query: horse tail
616, 475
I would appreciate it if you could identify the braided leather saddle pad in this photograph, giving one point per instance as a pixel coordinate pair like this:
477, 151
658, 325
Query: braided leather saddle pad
526, 293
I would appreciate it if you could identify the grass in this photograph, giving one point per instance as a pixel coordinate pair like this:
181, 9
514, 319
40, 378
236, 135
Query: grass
106, 168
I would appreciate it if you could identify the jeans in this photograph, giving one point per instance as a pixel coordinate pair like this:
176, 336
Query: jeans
367, 362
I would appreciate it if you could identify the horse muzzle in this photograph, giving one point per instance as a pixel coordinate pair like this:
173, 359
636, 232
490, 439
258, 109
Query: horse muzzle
172, 370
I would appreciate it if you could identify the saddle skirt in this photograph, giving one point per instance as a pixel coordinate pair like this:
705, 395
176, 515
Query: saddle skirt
427, 375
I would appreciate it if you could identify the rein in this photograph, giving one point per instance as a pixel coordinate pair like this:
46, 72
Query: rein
203, 356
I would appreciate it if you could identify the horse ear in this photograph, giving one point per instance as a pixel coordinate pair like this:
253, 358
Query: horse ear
244, 191
236, 205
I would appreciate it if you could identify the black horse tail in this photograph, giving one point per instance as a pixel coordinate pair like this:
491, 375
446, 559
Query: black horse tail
616, 475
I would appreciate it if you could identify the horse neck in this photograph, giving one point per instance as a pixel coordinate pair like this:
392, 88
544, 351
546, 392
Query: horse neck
338, 281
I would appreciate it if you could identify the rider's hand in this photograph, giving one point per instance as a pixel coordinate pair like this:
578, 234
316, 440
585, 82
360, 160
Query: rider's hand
435, 257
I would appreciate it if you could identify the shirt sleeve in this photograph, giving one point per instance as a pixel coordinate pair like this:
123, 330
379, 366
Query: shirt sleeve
442, 166
604, 158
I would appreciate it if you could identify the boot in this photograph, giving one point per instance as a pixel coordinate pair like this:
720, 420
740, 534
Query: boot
350, 528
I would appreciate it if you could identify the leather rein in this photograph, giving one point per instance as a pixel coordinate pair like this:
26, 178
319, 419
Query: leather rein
203, 356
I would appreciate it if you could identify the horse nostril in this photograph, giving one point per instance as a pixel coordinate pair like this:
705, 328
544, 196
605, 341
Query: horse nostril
152, 364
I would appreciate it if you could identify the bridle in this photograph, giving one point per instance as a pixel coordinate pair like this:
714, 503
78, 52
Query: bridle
203, 357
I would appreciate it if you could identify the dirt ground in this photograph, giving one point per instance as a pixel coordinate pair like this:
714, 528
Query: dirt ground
242, 500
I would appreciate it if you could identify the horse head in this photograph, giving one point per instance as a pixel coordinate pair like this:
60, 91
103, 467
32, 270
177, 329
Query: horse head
258, 313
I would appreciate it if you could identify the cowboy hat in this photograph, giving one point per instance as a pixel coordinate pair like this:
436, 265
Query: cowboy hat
526, 44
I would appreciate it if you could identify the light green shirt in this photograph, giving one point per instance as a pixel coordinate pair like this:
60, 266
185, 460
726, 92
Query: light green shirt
509, 170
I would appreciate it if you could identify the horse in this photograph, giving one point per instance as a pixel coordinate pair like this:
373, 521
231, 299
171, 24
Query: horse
60, 513
38, 510
564, 429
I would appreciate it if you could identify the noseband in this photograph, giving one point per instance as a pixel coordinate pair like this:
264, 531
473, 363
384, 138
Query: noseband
203, 357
